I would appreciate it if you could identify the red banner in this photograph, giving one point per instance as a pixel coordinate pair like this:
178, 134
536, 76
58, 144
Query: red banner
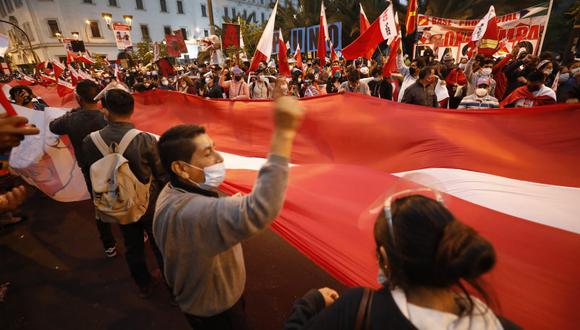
230, 35
172, 43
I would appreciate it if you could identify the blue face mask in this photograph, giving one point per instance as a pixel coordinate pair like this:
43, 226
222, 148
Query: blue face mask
564, 77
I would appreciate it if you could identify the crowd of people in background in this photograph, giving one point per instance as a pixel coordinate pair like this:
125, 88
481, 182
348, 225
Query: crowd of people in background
195, 231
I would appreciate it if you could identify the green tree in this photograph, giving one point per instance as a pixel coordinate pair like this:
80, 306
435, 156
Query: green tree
143, 53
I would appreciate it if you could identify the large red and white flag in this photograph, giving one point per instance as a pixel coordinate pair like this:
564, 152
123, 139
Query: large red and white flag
411, 18
364, 21
70, 57
298, 57
85, 58
486, 33
64, 88
75, 77
525, 206
391, 65
383, 28
264, 49
283, 67
323, 35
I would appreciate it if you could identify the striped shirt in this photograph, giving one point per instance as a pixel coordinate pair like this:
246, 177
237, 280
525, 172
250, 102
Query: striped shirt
474, 102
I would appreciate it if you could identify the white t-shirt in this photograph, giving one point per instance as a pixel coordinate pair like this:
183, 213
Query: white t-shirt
482, 317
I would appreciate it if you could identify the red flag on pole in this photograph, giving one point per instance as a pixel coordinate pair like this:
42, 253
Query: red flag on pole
283, 66
383, 28
333, 56
57, 68
63, 88
411, 18
264, 49
322, 36
364, 21
487, 34
391, 64
70, 57
298, 57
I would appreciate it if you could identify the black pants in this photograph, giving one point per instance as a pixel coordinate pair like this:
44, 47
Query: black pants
135, 252
232, 319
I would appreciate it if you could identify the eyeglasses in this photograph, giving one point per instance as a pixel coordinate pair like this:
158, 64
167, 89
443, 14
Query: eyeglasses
405, 193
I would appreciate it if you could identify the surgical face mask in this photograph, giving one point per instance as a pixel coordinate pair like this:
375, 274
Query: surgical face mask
575, 71
284, 89
564, 77
337, 74
462, 66
264, 79
378, 78
214, 174
481, 92
154, 73
164, 82
547, 72
486, 71
412, 71
238, 78
183, 84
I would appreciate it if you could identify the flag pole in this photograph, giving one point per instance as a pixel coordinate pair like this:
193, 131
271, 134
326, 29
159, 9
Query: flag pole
539, 48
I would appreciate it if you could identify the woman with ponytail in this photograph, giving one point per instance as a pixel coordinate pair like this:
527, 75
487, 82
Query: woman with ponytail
427, 260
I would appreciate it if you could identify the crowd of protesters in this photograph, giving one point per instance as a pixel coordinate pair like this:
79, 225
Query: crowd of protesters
195, 231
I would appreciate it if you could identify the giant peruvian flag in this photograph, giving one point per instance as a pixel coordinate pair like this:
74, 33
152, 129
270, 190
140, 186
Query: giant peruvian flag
512, 175
364, 21
283, 66
264, 49
486, 34
383, 28
323, 35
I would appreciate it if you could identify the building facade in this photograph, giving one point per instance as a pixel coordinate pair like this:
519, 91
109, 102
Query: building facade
48, 22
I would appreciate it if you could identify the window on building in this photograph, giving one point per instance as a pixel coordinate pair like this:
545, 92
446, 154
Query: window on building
139, 4
167, 30
163, 4
9, 6
184, 33
28, 30
145, 32
234, 13
2, 9
203, 11
18, 3
245, 16
263, 18
205, 33
227, 12
88, 1
113, 3
180, 7
95, 29
53, 27
262, 1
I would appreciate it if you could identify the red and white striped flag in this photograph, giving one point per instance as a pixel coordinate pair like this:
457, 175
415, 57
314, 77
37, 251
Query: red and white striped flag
298, 57
57, 68
64, 87
364, 21
283, 67
85, 59
322, 35
383, 28
264, 49
486, 34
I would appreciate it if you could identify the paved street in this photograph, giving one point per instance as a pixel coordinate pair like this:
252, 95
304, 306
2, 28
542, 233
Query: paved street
60, 278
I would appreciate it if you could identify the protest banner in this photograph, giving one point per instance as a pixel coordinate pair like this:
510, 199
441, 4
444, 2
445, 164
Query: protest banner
122, 33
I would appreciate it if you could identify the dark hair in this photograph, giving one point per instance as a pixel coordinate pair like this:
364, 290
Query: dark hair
547, 55
118, 102
353, 75
420, 62
377, 71
176, 144
17, 89
536, 76
429, 247
310, 76
87, 90
425, 72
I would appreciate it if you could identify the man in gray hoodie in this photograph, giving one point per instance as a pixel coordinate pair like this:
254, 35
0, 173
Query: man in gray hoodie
199, 231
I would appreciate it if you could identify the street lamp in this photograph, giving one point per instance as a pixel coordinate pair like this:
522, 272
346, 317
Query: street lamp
128, 19
75, 35
108, 17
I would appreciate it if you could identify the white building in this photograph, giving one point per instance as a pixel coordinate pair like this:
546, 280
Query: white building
46, 22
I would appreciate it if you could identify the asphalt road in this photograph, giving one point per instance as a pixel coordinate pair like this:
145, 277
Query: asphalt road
60, 279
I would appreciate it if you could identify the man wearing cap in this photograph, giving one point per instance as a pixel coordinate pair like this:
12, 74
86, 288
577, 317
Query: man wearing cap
480, 99
237, 88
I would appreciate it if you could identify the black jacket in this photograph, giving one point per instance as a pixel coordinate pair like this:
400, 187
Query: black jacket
309, 312
142, 153
420, 95
382, 89
77, 124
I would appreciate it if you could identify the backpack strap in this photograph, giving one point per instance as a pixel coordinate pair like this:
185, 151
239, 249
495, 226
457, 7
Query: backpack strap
126, 140
100, 143
363, 317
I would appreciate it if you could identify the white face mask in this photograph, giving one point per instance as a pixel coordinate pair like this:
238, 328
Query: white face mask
462, 66
164, 82
481, 92
486, 71
547, 72
214, 174
564, 77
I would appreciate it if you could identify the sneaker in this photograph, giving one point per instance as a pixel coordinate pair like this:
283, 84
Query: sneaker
111, 252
